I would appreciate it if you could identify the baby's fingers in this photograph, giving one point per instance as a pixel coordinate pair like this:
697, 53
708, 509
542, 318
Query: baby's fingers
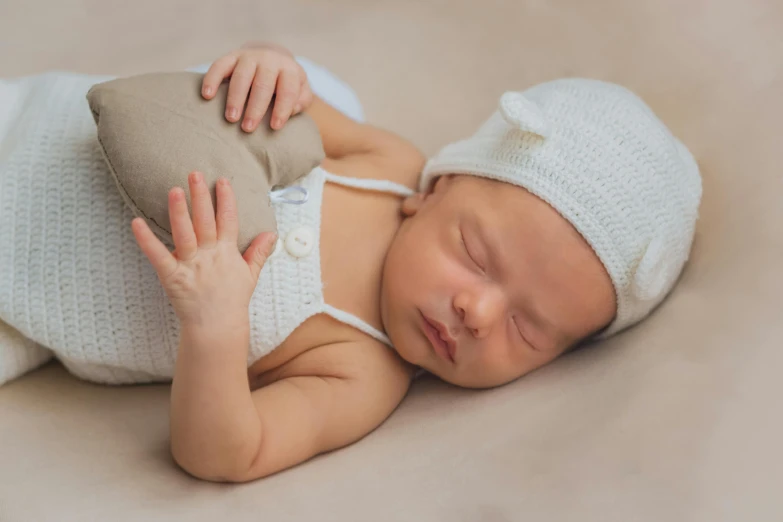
219, 71
287, 94
258, 252
305, 98
260, 96
227, 224
159, 256
182, 232
203, 220
238, 87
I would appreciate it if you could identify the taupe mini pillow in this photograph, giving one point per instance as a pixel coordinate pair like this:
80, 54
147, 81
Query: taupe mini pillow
155, 129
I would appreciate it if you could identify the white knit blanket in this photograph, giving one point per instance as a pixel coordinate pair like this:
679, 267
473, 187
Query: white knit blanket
71, 277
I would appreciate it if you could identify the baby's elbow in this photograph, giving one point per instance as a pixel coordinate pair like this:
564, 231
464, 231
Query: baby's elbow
196, 467
222, 469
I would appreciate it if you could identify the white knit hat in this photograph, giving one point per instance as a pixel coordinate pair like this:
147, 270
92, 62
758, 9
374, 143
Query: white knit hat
596, 153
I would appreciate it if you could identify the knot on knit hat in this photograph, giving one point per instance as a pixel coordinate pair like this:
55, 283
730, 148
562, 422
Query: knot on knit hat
608, 165
523, 114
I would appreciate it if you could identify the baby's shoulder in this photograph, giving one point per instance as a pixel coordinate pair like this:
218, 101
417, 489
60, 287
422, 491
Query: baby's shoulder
398, 161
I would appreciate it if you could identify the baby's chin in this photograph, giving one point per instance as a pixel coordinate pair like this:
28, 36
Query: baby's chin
399, 344
401, 340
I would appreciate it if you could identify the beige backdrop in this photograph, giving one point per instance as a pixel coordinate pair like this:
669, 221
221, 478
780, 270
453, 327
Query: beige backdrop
678, 419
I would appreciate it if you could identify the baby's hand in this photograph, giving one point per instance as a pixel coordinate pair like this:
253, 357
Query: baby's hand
207, 280
263, 70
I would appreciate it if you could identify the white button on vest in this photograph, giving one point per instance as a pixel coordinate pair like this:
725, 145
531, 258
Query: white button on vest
300, 241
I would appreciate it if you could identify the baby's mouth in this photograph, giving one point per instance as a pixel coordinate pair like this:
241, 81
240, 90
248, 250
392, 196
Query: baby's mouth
444, 348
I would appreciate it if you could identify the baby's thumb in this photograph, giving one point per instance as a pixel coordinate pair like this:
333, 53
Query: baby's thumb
259, 251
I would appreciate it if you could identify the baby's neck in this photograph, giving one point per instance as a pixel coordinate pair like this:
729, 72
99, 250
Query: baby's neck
357, 229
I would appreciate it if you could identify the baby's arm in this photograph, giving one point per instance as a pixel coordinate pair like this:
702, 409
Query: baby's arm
349, 142
326, 398
258, 72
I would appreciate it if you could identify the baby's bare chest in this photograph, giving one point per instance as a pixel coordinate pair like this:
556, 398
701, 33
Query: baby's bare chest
357, 228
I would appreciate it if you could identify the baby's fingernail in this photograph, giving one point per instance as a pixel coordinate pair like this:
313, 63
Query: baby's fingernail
277, 123
231, 114
207, 91
247, 125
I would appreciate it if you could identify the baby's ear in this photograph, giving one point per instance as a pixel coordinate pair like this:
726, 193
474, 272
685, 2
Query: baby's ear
412, 204
441, 182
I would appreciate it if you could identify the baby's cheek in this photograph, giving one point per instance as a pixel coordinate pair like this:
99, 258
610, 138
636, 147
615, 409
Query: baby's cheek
493, 362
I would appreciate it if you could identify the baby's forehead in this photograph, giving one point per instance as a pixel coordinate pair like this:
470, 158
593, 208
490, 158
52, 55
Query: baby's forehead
495, 192
514, 209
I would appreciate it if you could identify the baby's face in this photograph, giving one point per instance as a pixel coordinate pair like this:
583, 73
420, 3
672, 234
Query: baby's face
485, 282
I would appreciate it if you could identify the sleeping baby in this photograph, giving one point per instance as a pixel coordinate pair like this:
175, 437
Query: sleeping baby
564, 219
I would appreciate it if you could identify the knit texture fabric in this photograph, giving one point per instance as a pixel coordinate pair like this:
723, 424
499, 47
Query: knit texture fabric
598, 155
73, 280
18, 354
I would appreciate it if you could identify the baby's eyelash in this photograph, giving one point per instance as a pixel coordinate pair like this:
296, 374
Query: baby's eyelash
465, 246
519, 330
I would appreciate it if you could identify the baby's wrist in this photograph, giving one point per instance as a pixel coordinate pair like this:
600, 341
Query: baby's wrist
218, 332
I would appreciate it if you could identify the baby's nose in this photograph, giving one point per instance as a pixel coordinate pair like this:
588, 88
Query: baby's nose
481, 310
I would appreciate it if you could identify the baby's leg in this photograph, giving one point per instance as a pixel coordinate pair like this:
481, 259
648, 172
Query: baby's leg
18, 354
326, 86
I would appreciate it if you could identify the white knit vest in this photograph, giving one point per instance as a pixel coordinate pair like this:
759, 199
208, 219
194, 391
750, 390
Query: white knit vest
72, 278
